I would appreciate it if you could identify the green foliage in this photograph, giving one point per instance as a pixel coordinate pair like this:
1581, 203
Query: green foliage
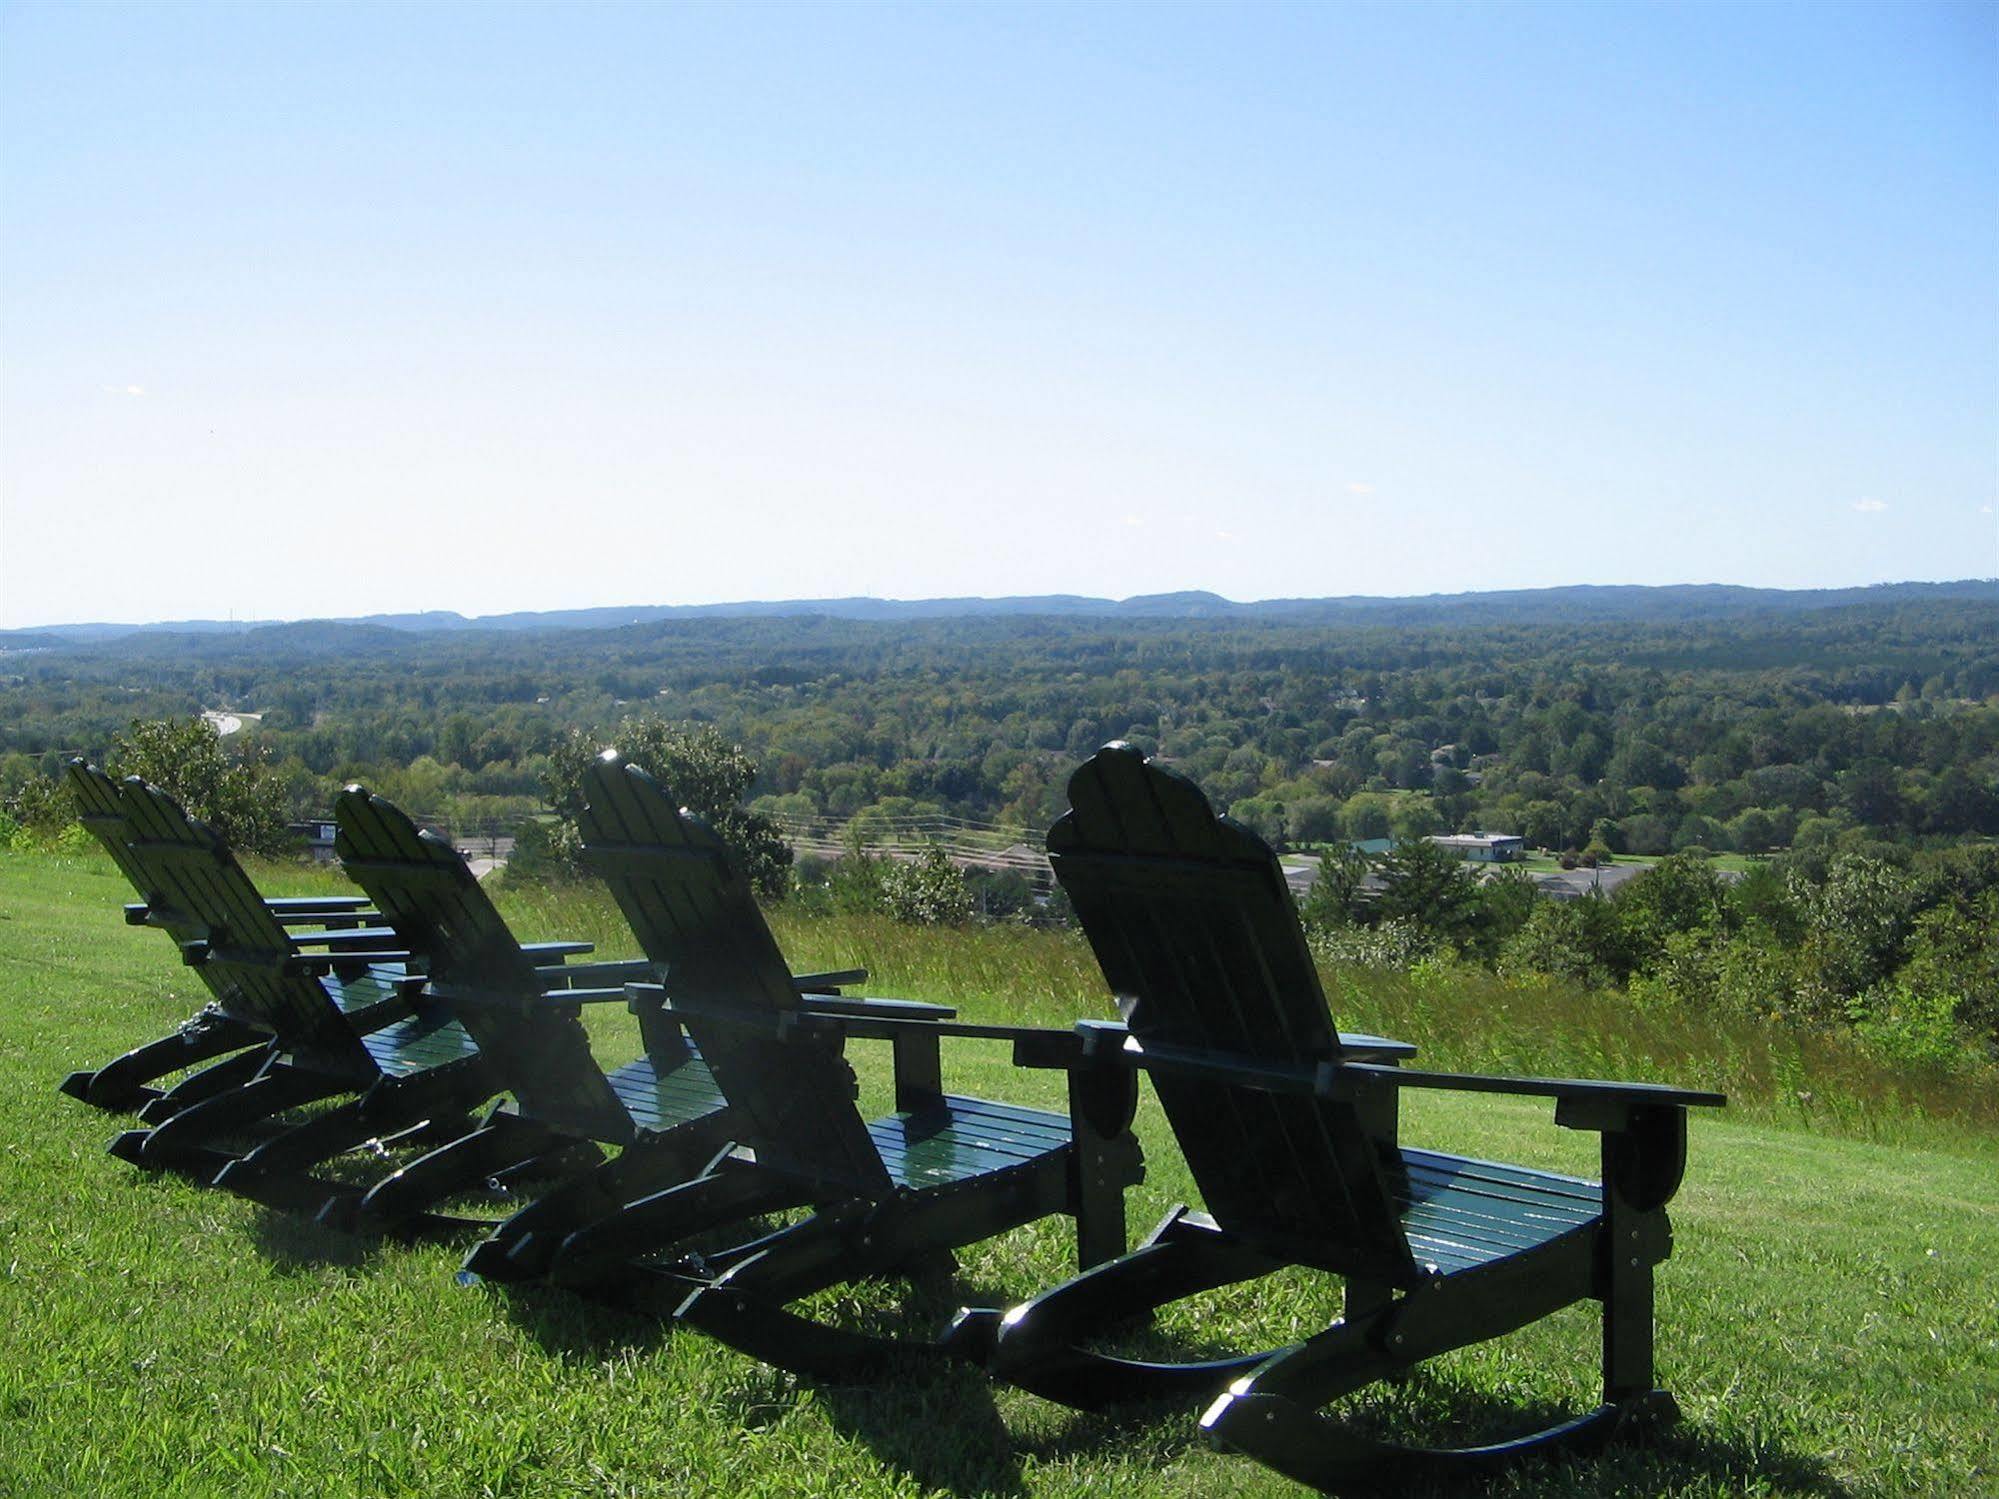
697, 765
37, 813
1954, 964
233, 790
1507, 899
1430, 889
1856, 921
1001, 895
1911, 1025
1332, 902
928, 890
1581, 941
1679, 894
1387, 946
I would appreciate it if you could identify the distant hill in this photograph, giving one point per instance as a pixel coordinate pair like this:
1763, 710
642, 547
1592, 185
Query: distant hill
1578, 604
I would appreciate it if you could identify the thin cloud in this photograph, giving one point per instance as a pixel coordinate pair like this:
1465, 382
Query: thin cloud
1870, 506
1134, 521
1225, 536
124, 390
1358, 487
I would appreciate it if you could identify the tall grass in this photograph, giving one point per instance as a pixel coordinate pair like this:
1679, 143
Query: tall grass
1461, 1017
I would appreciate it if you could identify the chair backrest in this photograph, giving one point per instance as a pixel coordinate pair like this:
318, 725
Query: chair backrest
424, 889
1195, 930
695, 914
101, 810
193, 882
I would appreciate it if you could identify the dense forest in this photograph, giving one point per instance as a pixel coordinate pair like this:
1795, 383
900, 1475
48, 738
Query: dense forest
1637, 721
1848, 747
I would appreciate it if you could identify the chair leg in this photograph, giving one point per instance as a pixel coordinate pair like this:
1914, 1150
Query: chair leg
522, 1247
1037, 1345
505, 1140
182, 1142
386, 1109
122, 1084
746, 1308
1104, 1159
1273, 1415
728, 1193
209, 1082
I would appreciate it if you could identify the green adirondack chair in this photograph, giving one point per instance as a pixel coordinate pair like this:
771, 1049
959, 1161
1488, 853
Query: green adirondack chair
416, 1068
662, 1109
1292, 1142
126, 1082
900, 1192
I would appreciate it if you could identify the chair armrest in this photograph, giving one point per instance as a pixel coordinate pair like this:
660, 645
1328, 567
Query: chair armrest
1343, 1078
312, 965
828, 983
1354, 1045
143, 913
854, 1014
556, 949
861, 1007
1110, 1041
1579, 1098
557, 1000
284, 905
611, 970
366, 937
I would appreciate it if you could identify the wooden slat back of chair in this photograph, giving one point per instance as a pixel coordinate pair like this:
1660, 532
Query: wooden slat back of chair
1196, 932
100, 810
695, 914
424, 889
185, 866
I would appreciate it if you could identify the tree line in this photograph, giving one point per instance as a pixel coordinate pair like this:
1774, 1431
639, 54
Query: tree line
1864, 724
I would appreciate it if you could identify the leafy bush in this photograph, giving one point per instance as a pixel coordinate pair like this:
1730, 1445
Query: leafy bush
1581, 940
1390, 945
928, 890
230, 788
708, 775
1906, 1024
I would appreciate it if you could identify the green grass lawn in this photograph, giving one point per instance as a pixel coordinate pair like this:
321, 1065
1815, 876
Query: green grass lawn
1829, 1321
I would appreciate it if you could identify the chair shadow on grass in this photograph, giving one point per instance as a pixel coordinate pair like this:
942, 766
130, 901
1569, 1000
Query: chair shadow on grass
571, 1324
942, 1425
1681, 1457
292, 1243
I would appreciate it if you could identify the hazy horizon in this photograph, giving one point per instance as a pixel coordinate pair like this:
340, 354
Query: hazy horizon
751, 605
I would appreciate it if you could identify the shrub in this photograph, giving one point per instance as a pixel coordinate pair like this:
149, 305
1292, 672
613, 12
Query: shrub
698, 766
1907, 1025
928, 890
236, 793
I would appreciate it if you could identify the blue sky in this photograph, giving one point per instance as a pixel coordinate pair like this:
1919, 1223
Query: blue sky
328, 310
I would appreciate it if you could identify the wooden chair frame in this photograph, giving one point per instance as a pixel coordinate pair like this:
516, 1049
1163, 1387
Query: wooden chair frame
1292, 1137
127, 1082
942, 1172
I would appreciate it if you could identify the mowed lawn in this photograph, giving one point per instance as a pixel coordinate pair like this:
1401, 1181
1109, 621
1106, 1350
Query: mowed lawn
1829, 1320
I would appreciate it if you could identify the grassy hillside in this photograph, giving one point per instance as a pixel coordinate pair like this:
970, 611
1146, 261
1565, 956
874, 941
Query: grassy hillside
1830, 1320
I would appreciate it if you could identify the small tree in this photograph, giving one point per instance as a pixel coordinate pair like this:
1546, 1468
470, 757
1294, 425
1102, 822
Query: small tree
1506, 900
1429, 888
704, 771
1681, 893
239, 795
1332, 901
1581, 940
